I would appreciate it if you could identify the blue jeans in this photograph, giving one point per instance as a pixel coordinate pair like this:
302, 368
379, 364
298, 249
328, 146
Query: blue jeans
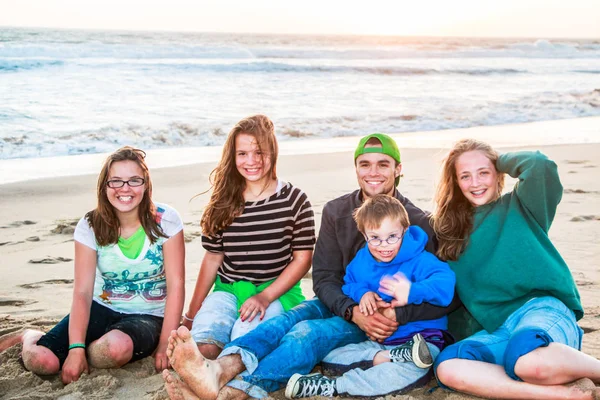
535, 324
293, 342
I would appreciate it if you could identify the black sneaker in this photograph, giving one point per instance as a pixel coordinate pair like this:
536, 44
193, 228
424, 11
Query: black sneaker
310, 385
415, 350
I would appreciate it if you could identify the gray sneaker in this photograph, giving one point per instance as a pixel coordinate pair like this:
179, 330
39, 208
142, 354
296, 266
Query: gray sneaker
415, 350
310, 385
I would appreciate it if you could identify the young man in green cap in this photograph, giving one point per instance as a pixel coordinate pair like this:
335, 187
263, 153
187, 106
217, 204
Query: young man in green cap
297, 340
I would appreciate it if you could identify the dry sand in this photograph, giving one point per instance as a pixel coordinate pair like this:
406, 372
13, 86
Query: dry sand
36, 248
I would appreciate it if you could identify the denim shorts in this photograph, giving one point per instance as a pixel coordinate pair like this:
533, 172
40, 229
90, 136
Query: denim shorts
535, 324
218, 322
144, 330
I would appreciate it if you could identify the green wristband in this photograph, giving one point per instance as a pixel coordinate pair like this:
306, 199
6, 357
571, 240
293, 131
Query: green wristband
76, 345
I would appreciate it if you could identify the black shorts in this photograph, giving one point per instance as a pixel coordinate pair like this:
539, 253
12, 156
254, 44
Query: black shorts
144, 330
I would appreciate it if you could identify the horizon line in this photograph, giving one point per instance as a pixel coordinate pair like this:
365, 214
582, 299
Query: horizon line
321, 34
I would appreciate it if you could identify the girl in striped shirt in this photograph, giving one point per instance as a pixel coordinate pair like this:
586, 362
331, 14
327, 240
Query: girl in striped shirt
258, 232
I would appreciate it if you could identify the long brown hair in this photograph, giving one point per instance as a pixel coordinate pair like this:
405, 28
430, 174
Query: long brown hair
103, 219
227, 199
453, 217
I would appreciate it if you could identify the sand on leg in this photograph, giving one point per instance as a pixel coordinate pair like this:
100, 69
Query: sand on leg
37, 359
204, 377
113, 350
176, 389
229, 393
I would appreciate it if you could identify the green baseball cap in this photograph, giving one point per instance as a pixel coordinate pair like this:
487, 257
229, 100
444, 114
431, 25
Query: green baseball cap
388, 147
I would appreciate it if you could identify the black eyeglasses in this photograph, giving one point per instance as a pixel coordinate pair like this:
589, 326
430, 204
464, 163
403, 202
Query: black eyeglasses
133, 182
392, 239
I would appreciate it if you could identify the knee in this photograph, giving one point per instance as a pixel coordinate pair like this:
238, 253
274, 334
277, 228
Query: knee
303, 330
520, 359
447, 375
41, 363
531, 368
445, 369
110, 351
210, 351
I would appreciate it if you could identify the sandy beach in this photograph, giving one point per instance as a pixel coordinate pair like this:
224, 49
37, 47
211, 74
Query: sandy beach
37, 219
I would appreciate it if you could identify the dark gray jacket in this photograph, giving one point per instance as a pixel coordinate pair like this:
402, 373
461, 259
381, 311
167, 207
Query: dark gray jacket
338, 242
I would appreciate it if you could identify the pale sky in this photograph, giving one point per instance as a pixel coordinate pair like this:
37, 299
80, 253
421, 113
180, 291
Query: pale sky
497, 18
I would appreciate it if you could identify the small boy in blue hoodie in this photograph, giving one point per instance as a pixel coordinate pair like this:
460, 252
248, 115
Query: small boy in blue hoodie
393, 267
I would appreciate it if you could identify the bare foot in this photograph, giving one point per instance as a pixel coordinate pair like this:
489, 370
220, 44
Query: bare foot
177, 389
229, 393
200, 374
11, 339
583, 384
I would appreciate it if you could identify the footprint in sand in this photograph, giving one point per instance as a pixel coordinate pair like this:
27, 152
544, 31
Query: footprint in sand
580, 191
581, 218
36, 285
16, 224
11, 243
65, 227
8, 302
49, 260
577, 161
189, 236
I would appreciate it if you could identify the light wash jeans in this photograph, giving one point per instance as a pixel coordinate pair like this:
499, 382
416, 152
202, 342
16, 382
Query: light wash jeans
218, 323
374, 380
535, 324
293, 342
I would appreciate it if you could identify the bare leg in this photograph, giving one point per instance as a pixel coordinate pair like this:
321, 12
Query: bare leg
37, 359
381, 357
557, 364
204, 377
229, 393
210, 351
490, 381
177, 389
113, 350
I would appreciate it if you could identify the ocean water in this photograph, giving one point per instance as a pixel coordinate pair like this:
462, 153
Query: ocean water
68, 92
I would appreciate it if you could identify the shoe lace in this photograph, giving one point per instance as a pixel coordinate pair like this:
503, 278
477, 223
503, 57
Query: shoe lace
401, 353
317, 387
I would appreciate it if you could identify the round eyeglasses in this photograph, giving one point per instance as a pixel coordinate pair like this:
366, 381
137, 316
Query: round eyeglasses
392, 239
118, 183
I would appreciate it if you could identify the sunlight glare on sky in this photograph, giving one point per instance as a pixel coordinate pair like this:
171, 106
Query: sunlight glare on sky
508, 18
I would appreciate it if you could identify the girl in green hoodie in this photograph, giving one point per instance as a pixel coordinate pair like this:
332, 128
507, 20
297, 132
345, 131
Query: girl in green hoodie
520, 301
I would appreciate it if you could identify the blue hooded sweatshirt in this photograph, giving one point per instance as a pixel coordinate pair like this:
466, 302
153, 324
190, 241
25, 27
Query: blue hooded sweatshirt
432, 280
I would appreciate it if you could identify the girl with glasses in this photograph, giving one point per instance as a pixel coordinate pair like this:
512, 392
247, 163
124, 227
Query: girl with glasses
129, 253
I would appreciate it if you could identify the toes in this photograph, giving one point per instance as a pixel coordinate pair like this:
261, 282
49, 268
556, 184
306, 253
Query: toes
167, 376
184, 333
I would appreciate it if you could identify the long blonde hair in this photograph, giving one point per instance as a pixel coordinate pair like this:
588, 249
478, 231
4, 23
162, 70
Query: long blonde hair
453, 217
103, 219
227, 199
